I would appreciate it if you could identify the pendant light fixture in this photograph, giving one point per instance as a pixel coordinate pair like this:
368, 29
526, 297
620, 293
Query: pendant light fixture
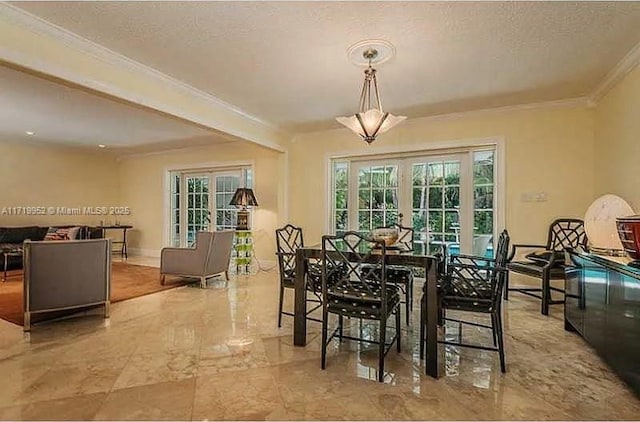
371, 120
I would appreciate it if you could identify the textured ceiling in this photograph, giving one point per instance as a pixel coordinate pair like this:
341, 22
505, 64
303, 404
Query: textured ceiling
62, 115
286, 62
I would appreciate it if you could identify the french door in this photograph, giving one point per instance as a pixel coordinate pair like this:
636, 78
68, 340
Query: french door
447, 199
201, 202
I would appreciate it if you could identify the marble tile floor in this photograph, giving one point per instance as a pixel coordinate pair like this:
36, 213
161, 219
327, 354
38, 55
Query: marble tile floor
216, 353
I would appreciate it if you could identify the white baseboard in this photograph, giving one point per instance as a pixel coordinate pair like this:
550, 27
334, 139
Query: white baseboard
153, 253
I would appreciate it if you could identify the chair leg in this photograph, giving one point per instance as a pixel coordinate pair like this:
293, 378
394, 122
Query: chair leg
494, 330
407, 300
325, 318
203, 282
506, 286
340, 325
280, 306
423, 313
503, 365
162, 279
226, 275
398, 330
546, 293
383, 339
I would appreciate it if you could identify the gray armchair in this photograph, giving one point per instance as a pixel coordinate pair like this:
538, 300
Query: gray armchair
209, 257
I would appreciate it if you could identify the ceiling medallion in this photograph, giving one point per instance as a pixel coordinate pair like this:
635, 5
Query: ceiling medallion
371, 120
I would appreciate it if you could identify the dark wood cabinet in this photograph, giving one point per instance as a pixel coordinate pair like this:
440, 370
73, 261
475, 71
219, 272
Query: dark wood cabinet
603, 306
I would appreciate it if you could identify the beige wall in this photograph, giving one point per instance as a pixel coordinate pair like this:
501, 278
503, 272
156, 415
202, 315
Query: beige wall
43, 176
142, 188
617, 124
547, 150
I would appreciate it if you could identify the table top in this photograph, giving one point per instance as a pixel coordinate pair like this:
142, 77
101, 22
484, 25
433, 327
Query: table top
115, 226
394, 255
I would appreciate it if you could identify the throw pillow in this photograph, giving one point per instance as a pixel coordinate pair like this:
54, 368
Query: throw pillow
73, 233
55, 233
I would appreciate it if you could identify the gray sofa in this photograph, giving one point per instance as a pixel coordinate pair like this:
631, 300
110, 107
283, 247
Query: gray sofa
209, 257
66, 275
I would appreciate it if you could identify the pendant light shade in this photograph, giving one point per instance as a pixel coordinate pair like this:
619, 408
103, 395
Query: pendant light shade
371, 120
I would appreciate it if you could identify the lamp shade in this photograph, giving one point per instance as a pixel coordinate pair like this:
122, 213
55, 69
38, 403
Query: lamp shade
244, 197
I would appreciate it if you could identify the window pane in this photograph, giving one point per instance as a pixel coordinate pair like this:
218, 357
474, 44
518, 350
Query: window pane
364, 220
452, 173
364, 178
418, 174
435, 221
419, 197
483, 167
391, 176
342, 220
190, 200
377, 199
435, 197
483, 197
377, 219
434, 173
419, 221
391, 217
377, 177
341, 199
391, 198
341, 176
483, 222
452, 197
451, 221
364, 199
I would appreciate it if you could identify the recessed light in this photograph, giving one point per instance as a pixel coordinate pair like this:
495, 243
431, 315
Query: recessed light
101, 146
30, 133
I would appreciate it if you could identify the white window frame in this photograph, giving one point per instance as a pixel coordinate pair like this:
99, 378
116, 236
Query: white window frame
416, 153
216, 167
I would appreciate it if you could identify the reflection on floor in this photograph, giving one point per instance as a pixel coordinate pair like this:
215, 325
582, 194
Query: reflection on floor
216, 353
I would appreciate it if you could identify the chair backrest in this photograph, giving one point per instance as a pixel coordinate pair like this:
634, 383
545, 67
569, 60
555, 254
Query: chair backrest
342, 258
288, 240
202, 246
219, 253
475, 279
405, 235
502, 249
566, 233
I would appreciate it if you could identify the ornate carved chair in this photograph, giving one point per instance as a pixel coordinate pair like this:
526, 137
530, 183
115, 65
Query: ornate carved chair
347, 292
547, 263
288, 240
399, 275
473, 284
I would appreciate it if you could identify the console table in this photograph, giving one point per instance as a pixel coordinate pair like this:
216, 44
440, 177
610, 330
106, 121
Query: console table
603, 305
123, 242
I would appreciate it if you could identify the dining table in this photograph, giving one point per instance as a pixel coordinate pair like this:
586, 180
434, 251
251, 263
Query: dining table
399, 256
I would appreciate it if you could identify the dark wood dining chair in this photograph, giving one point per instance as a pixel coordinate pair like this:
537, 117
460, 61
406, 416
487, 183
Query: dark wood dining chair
346, 292
399, 275
288, 240
547, 261
473, 284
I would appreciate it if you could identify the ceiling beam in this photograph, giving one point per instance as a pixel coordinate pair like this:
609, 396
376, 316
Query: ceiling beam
33, 43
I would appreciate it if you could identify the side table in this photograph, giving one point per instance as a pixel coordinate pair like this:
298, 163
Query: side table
7, 253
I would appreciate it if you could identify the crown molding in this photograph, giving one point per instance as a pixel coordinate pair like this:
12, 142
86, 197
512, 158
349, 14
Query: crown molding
615, 75
564, 103
40, 26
